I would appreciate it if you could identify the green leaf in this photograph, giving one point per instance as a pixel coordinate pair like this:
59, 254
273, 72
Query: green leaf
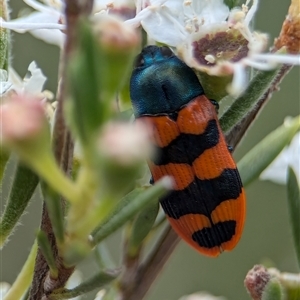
257, 87
273, 290
75, 251
53, 202
84, 108
4, 37
99, 280
4, 157
97, 72
124, 96
232, 3
259, 157
128, 207
23, 281
21, 191
293, 192
141, 228
214, 86
45, 247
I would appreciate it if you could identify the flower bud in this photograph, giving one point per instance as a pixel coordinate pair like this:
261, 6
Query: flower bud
114, 35
290, 33
97, 72
24, 125
123, 149
118, 44
256, 280
262, 284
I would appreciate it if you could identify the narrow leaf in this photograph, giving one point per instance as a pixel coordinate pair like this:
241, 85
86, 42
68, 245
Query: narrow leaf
130, 205
141, 228
293, 192
45, 247
53, 202
21, 191
4, 37
84, 108
4, 157
259, 157
99, 280
257, 87
23, 281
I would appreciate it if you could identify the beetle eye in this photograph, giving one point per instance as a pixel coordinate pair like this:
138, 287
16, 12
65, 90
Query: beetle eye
139, 61
166, 51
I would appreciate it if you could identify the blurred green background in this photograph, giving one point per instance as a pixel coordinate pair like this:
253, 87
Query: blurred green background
267, 235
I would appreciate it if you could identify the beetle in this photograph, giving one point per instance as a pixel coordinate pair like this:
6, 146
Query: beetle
206, 207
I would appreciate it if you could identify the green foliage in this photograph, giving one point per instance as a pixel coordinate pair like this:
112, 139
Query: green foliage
45, 247
104, 194
21, 190
293, 192
273, 290
232, 3
97, 281
4, 157
258, 158
56, 215
214, 86
4, 38
129, 206
140, 228
244, 103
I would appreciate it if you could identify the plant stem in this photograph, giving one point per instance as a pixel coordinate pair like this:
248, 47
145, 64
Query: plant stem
63, 151
236, 133
47, 168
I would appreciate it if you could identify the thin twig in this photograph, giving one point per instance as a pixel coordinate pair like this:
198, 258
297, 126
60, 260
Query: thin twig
148, 272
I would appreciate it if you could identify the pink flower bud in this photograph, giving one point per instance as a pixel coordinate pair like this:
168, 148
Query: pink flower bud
114, 35
125, 144
22, 119
256, 281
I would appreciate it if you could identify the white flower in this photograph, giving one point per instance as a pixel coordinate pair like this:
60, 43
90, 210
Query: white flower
172, 21
47, 21
32, 84
290, 156
201, 296
5, 85
4, 287
188, 25
44, 23
209, 37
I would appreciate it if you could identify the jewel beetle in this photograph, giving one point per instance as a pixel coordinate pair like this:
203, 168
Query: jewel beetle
206, 208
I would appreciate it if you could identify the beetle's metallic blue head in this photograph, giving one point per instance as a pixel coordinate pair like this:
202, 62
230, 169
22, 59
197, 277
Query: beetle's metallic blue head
161, 83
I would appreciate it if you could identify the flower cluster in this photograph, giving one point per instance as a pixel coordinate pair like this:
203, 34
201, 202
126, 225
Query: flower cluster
208, 35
